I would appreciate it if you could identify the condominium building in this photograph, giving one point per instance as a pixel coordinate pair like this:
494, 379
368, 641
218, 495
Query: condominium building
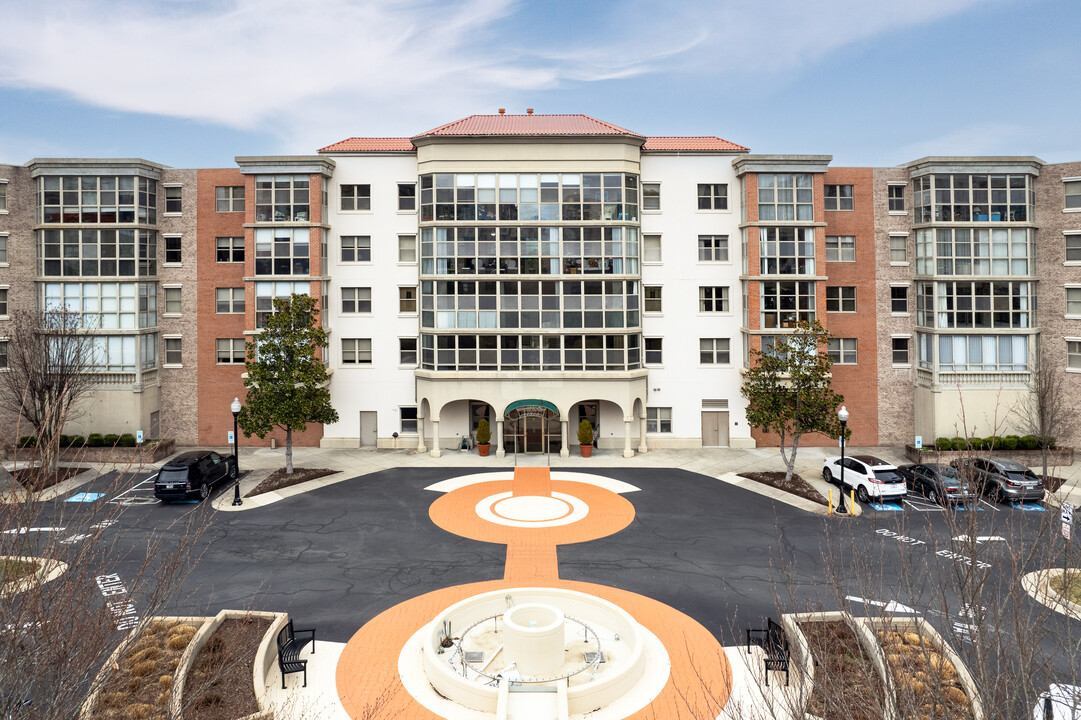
540, 270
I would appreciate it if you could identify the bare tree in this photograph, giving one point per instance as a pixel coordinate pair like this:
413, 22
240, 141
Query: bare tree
49, 364
1046, 412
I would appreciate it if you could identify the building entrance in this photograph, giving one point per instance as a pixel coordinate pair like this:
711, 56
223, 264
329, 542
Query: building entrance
531, 426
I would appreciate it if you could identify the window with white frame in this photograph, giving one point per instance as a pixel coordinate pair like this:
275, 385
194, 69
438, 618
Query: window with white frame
712, 196
659, 419
3, 302
173, 354
282, 251
1073, 354
842, 351
786, 303
652, 298
267, 292
899, 249
230, 249
230, 351
407, 299
407, 248
356, 351
407, 196
713, 248
356, 300
282, 198
899, 299
785, 196
229, 301
3, 195
3, 354
651, 248
840, 248
407, 351
713, 351
172, 300
651, 196
356, 197
713, 299
1073, 247
3, 248
356, 248
786, 251
172, 249
409, 420
229, 198
1073, 194
1073, 301
654, 351
900, 351
840, 299
172, 199
838, 197
896, 198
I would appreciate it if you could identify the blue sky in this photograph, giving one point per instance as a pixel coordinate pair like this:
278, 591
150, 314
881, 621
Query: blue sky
193, 83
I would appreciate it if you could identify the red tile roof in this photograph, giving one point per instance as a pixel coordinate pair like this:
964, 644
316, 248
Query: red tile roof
692, 144
477, 125
360, 144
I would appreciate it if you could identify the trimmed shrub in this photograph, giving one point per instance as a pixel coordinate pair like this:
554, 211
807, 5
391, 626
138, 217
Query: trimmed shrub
111, 439
127, 440
77, 441
65, 440
1028, 442
28, 441
992, 443
959, 443
585, 432
1010, 442
94, 440
484, 432
943, 443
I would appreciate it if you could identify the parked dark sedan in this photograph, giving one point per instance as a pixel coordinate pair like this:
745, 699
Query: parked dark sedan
937, 482
193, 474
1002, 480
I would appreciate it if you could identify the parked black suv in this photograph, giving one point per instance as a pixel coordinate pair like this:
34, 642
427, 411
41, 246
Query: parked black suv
193, 474
1002, 480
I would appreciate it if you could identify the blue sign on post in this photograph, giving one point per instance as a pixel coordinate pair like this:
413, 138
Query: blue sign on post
230, 437
139, 437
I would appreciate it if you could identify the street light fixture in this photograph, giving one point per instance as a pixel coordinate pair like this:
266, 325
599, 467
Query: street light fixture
842, 415
235, 407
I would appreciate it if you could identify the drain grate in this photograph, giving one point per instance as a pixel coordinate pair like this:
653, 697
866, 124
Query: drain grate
592, 656
474, 656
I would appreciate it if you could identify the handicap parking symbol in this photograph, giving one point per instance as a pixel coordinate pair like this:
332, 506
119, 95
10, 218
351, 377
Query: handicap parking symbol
887, 507
1029, 507
84, 497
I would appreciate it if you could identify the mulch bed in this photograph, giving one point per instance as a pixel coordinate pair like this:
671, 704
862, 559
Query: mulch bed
847, 685
36, 480
278, 479
927, 683
1051, 483
1068, 586
219, 683
797, 486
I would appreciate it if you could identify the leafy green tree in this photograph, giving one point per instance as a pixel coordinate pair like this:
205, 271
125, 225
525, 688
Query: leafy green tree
287, 382
788, 389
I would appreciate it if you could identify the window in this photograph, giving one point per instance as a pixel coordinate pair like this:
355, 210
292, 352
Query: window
1073, 301
172, 301
407, 351
979, 251
899, 249
3, 354
840, 299
94, 199
899, 299
173, 356
3, 301
230, 249
282, 198
896, 198
982, 353
842, 351
407, 300
88, 252
356, 248
407, 196
407, 248
1073, 354
659, 419
785, 196
654, 351
3, 196
713, 197
713, 351
356, 197
651, 248
230, 351
972, 198
785, 303
786, 251
1073, 194
3, 247
356, 300
651, 196
356, 351
653, 298
978, 305
1073, 248
713, 248
267, 292
282, 251
229, 198
713, 299
172, 198
409, 420
900, 351
229, 301
840, 248
838, 197
172, 249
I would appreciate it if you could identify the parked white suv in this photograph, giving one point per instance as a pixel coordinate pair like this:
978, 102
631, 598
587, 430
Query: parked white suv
872, 478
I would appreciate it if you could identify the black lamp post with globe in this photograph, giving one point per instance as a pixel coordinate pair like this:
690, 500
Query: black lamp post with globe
235, 407
842, 415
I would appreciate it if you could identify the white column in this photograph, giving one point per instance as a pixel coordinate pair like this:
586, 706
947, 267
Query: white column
420, 434
627, 452
435, 438
499, 451
564, 451
642, 435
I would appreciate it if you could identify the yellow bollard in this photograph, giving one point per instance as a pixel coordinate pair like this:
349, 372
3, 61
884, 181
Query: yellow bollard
830, 513
852, 501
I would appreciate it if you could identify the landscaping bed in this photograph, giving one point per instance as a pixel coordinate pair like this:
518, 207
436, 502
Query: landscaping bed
219, 683
1068, 585
796, 486
12, 570
34, 479
847, 684
278, 479
926, 682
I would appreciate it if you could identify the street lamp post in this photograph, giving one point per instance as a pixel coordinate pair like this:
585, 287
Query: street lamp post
235, 407
842, 415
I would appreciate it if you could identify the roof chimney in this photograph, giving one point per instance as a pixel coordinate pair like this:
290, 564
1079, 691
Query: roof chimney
502, 110
529, 111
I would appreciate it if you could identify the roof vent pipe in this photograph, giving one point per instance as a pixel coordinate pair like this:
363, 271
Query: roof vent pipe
502, 110
529, 111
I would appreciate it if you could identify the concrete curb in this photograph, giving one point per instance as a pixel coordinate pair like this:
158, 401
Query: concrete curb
1038, 585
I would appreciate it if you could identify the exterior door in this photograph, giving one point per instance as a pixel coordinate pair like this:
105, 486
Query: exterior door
714, 429
534, 434
369, 431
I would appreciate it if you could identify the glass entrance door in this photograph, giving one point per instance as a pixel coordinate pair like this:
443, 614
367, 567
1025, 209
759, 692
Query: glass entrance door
531, 429
534, 434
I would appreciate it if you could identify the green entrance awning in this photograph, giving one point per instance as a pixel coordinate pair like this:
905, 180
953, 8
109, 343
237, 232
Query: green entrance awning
532, 403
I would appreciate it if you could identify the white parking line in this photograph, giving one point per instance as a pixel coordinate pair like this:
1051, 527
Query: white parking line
925, 506
118, 500
989, 505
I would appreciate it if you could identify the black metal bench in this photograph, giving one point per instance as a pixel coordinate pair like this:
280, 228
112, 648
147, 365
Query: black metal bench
773, 640
289, 647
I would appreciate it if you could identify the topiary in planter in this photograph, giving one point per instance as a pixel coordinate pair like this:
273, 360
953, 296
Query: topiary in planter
943, 443
484, 438
585, 433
